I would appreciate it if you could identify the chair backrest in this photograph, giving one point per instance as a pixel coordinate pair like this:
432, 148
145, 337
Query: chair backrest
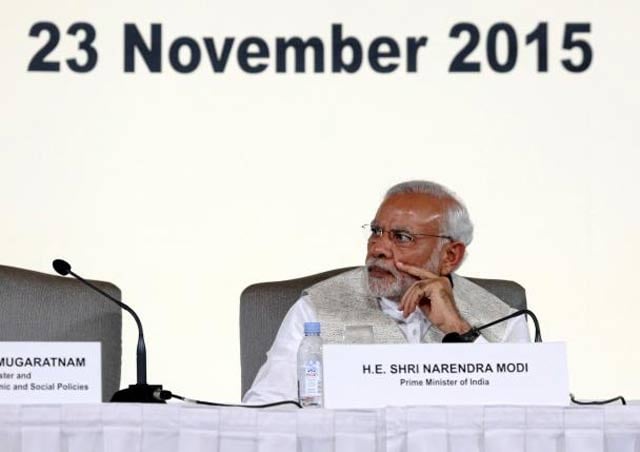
39, 307
264, 305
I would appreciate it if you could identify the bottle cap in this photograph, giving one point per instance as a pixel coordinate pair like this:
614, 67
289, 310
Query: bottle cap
311, 328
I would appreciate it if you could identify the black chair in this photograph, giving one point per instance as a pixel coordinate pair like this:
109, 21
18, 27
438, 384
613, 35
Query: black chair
264, 305
40, 307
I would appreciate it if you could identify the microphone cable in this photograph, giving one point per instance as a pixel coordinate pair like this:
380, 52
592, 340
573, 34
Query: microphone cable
166, 395
597, 402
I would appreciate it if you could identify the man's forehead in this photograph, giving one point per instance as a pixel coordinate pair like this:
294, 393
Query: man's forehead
411, 208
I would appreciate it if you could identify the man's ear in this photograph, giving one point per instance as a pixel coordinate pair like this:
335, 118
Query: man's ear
452, 256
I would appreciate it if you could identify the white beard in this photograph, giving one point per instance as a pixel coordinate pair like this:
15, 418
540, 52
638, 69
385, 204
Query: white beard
394, 290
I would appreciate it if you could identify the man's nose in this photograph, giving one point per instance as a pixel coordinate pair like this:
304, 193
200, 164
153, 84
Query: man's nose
380, 247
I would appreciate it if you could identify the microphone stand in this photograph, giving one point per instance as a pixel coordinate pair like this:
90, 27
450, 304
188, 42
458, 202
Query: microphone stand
474, 332
141, 392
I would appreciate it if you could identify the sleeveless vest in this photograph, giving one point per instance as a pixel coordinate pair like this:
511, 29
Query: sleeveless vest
345, 300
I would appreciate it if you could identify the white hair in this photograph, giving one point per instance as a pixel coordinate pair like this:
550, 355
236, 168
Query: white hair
456, 223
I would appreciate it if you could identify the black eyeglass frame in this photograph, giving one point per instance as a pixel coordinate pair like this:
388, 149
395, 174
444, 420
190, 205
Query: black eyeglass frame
397, 232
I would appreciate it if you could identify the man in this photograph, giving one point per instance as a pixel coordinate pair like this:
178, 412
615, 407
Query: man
408, 291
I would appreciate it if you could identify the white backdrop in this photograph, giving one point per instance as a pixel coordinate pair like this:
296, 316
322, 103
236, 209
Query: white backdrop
185, 188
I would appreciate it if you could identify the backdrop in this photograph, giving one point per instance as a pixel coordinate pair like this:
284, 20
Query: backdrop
186, 150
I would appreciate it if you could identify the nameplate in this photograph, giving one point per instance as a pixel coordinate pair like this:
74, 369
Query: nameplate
374, 376
50, 372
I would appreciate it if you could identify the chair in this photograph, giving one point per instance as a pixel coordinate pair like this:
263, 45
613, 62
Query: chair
264, 305
39, 307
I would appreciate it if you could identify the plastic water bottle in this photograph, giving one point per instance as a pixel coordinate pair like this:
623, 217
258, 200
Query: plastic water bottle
310, 367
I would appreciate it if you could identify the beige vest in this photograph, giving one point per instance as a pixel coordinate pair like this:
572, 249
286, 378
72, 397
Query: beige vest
345, 300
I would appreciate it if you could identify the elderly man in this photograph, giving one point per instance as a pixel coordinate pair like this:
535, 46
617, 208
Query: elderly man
408, 291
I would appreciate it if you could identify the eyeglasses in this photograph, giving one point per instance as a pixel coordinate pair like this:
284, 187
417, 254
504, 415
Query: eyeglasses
397, 236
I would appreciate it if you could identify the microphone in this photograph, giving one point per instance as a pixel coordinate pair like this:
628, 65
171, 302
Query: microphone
474, 332
141, 392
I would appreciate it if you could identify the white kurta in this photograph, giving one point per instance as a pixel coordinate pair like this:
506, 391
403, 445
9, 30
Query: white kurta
277, 378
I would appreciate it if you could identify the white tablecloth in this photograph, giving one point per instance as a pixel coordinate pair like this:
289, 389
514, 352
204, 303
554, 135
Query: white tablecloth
184, 428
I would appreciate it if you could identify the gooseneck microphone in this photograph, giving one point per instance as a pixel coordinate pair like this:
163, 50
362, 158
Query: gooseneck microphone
141, 392
474, 332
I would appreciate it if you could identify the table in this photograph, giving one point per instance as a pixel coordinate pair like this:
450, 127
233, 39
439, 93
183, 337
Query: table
188, 428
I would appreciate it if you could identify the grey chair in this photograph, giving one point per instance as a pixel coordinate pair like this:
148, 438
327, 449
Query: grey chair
40, 307
264, 305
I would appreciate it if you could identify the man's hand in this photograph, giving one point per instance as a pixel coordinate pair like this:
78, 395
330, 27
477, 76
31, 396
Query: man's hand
433, 294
